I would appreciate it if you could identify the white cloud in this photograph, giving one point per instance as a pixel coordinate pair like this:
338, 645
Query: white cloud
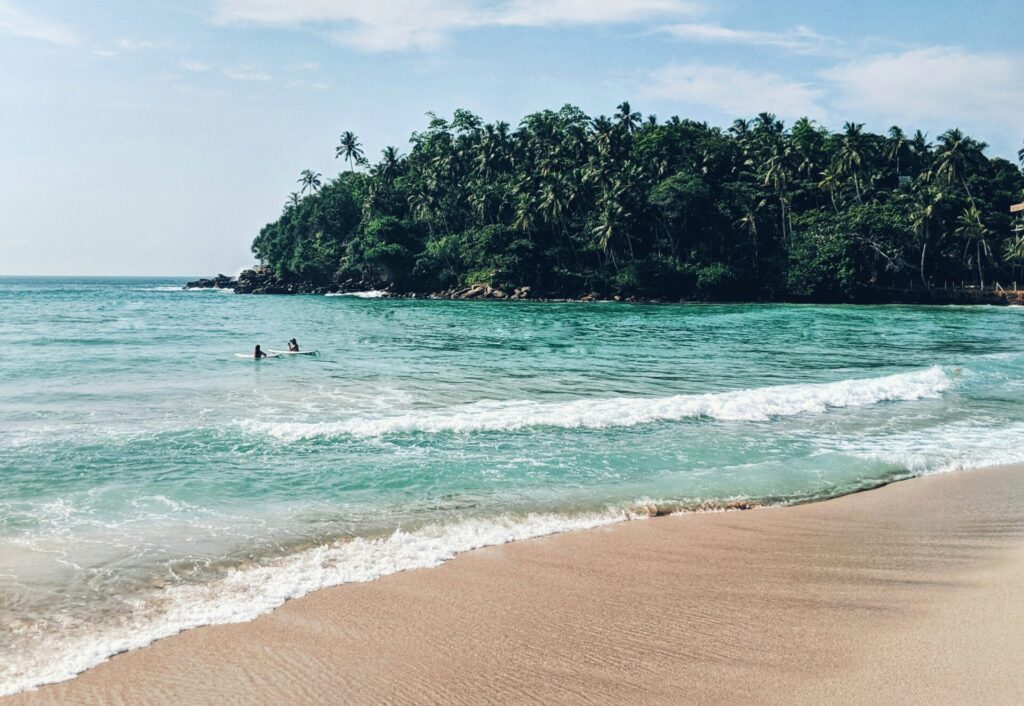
537, 13
734, 92
388, 25
245, 72
128, 45
136, 44
18, 23
934, 86
310, 85
195, 66
799, 39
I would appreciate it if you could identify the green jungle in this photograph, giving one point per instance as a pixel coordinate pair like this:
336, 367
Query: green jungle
628, 206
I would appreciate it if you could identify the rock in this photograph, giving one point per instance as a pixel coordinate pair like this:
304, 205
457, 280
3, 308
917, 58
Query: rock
498, 294
474, 292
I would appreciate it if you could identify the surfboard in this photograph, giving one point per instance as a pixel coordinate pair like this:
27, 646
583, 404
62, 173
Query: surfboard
250, 355
271, 350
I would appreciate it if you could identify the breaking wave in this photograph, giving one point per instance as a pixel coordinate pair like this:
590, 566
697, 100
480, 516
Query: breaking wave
757, 404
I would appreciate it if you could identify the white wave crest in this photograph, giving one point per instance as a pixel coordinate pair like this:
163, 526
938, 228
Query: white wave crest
246, 593
756, 404
957, 446
370, 294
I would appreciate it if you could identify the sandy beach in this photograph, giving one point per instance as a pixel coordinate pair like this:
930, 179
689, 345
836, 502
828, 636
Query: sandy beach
911, 593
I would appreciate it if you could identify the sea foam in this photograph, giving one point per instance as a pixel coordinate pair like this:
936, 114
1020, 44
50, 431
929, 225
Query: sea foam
756, 404
245, 593
369, 294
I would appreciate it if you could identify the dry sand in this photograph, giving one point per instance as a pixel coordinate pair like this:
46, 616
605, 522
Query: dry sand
907, 594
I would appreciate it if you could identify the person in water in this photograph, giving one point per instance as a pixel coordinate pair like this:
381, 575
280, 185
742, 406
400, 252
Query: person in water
258, 353
293, 346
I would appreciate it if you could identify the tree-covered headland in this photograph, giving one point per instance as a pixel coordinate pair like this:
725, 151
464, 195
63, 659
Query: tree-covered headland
630, 206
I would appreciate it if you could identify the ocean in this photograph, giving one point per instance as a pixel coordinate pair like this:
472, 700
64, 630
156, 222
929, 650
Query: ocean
152, 481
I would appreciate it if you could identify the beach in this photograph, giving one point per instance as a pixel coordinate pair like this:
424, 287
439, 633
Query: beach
904, 594
145, 497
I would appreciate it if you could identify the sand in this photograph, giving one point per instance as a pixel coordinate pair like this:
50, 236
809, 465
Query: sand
912, 593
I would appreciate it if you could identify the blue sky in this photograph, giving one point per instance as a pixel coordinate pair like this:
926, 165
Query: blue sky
157, 137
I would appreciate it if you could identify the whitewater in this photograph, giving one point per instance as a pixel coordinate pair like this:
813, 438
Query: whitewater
151, 482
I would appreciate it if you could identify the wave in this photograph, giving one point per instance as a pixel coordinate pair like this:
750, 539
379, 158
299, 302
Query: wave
757, 404
245, 593
961, 445
370, 294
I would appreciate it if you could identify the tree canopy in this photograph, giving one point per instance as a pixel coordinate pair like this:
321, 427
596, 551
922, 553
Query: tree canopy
570, 204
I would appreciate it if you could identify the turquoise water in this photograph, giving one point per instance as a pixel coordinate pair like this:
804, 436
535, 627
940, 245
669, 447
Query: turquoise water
150, 480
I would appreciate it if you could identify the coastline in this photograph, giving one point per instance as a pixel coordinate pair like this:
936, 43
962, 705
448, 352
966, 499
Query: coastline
262, 281
904, 593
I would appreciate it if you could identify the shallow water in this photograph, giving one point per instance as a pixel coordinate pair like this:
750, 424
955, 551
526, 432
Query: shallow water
150, 480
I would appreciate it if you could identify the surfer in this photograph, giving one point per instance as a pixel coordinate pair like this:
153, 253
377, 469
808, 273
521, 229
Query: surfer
293, 346
258, 353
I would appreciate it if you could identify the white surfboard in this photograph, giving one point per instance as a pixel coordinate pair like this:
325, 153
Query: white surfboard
251, 357
271, 350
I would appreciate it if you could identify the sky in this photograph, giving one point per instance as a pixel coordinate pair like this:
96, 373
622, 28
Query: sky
156, 137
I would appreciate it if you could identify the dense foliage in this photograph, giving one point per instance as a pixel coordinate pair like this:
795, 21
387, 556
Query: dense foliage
570, 204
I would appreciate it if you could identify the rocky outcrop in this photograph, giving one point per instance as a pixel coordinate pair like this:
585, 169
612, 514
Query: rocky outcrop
262, 280
218, 282
483, 291
1014, 297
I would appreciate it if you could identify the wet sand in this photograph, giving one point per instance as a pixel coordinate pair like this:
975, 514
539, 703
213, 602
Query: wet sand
912, 593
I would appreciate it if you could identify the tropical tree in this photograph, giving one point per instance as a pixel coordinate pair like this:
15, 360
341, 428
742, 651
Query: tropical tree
924, 215
390, 165
349, 149
975, 235
898, 147
628, 204
956, 157
830, 180
310, 181
853, 153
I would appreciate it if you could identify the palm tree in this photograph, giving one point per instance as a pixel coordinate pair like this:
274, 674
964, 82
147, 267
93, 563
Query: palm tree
920, 151
767, 123
924, 210
293, 200
390, 164
974, 232
774, 172
627, 120
1015, 247
897, 147
310, 181
830, 180
806, 143
853, 151
739, 127
350, 149
957, 155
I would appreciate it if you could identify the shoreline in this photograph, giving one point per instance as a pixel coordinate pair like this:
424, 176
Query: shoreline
937, 537
262, 281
